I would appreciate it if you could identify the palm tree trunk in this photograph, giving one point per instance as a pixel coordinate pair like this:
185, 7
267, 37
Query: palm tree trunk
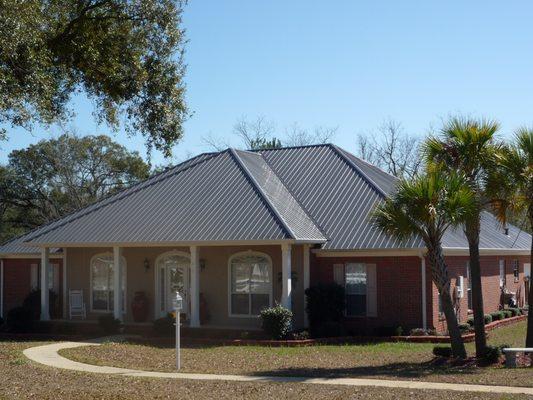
439, 272
529, 336
472, 229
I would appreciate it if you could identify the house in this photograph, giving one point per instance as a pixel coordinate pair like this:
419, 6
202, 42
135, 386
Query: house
235, 231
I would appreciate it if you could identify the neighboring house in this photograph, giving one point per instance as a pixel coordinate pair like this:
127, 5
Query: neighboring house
236, 231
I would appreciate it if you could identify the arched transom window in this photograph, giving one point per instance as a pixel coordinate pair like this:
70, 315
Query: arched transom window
250, 281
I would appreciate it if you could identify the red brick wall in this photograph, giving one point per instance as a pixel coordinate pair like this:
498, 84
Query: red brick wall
490, 280
17, 280
399, 299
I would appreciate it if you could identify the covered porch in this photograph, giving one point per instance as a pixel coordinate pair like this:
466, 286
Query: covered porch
224, 285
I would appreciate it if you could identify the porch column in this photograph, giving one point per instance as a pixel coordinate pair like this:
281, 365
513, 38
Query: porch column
45, 307
117, 283
195, 287
307, 278
65, 289
286, 276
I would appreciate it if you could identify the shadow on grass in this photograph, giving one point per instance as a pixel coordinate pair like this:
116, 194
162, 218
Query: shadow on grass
434, 367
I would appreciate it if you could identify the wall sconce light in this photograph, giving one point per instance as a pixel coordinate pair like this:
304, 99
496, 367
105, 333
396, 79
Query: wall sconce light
202, 264
146, 265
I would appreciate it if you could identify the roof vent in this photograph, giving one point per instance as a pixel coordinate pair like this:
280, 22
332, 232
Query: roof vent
506, 231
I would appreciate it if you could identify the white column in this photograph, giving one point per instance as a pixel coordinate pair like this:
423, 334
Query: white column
1, 288
65, 289
117, 283
286, 286
45, 307
195, 287
424, 304
307, 279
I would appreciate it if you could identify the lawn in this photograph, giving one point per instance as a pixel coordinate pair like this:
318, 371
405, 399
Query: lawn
378, 360
24, 379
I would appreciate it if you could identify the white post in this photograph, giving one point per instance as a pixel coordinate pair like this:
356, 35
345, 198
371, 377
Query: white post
117, 283
178, 344
286, 287
1, 288
65, 289
307, 279
424, 305
45, 307
195, 287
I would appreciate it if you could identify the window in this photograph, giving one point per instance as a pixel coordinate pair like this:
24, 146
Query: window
516, 271
102, 277
469, 287
53, 277
250, 283
502, 273
355, 284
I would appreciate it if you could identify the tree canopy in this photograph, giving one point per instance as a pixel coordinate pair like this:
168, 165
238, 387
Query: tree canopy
126, 55
57, 176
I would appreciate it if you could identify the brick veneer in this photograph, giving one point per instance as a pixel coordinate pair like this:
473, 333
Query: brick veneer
17, 280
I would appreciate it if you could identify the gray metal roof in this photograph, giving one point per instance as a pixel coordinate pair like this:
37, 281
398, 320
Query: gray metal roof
308, 193
16, 246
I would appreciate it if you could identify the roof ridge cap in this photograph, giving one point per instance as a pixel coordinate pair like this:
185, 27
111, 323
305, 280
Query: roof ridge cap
261, 192
360, 172
124, 195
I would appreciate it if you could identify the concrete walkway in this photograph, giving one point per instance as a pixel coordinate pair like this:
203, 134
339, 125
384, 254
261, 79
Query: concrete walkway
48, 355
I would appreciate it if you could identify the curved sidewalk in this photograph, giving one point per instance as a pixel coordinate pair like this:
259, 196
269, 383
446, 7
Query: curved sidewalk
48, 355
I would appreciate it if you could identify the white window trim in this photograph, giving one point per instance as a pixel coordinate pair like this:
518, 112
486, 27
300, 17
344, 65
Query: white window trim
270, 295
157, 277
124, 276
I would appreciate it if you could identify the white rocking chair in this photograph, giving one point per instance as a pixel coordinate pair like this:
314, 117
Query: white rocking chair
76, 304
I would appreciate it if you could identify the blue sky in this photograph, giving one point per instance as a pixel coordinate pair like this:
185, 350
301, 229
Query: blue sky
349, 64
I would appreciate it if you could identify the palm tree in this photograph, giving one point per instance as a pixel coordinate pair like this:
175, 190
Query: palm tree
467, 146
426, 207
516, 162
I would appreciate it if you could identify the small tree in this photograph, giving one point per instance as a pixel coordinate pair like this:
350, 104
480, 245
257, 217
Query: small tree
426, 207
325, 308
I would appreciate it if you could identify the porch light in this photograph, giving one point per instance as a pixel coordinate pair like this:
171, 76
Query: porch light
146, 265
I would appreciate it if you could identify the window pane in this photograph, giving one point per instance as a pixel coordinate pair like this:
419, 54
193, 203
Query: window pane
355, 305
100, 300
240, 303
260, 280
240, 278
356, 279
259, 301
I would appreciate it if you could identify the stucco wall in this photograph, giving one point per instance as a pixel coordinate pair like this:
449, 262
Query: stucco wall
213, 278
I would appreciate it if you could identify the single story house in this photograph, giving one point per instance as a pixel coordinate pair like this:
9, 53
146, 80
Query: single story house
236, 231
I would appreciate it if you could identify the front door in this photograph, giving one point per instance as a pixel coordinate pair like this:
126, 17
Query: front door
174, 277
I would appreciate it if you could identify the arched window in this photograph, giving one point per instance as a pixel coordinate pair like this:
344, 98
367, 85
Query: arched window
102, 278
250, 283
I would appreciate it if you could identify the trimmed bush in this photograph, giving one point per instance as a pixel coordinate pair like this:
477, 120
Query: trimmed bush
487, 318
32, 303
515, 311
325, 309
508, 313
464, 327
497, 315
276, 321
109, 324
418, 332
387, 331
19, 320
303, 335
442, 351
470, 321
165, 326
492, 354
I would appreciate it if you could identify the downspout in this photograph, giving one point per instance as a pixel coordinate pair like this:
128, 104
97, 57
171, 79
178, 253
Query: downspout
424, 292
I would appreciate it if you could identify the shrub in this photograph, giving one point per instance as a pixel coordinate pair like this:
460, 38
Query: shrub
515, 311
109, 324
276, 321
487, 319
329, 329
470, 321
386, 331
418, 332
1, 321
508, 313
325, 306
19, 319
464, 327
32, 302
492, 354
303, 335
442, 351
165, 326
